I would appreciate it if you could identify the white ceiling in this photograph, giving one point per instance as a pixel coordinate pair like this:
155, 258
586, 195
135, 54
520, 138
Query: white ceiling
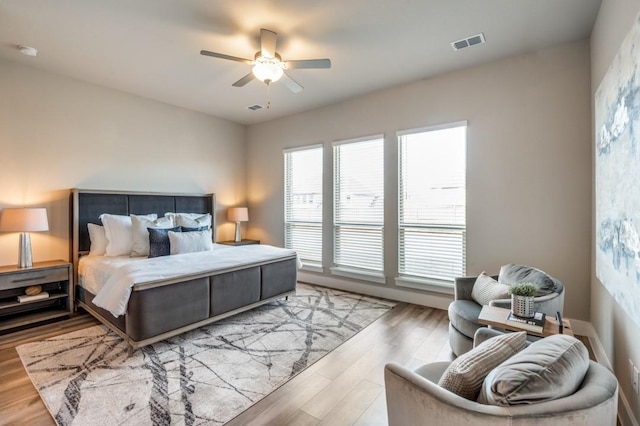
151, 47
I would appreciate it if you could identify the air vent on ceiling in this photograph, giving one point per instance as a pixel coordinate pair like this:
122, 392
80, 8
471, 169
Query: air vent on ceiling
255, 107
469, 41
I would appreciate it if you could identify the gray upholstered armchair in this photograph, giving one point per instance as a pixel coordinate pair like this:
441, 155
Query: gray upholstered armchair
415, 398
464, 310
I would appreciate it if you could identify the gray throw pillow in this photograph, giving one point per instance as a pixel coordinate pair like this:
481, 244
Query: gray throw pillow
513, 273
464, 376
548, 369
486, 289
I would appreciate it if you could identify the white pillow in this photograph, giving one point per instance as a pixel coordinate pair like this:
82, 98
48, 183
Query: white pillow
139, 225
119, 235
98, 240
486, 289
190, 242
191, 220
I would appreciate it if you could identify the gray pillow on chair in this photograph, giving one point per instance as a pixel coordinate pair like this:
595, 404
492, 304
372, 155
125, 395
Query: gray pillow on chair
551, 368
513, 273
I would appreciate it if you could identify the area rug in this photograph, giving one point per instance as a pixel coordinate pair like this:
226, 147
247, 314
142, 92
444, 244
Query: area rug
206, 376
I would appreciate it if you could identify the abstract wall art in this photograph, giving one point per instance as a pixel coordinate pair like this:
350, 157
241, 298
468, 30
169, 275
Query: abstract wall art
617, 176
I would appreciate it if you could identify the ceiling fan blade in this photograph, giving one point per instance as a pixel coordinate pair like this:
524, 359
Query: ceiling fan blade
309, 64
291, 84
244, 80
222, 56
268, 43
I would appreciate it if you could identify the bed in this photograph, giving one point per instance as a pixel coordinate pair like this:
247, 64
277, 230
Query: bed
162, 305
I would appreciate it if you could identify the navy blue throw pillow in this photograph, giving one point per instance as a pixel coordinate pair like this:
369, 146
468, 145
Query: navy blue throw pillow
159, 241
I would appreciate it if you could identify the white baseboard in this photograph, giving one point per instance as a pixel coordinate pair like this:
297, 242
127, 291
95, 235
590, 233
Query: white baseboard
440, 301
625, 414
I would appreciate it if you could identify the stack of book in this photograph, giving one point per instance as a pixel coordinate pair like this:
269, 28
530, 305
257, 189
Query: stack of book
534, 324
27, 298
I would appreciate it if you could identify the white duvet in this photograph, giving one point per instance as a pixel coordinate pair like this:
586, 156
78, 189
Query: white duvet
112, 278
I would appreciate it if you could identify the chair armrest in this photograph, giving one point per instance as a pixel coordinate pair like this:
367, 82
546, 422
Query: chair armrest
411, 399
550, 303
462, 287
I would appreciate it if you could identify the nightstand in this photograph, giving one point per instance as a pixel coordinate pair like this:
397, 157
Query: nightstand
55, 277
239, 243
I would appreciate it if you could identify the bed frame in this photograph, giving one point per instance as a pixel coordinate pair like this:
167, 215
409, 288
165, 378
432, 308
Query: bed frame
161, 309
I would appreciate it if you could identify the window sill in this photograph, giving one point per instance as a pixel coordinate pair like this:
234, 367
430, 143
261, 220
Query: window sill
433, 285
311, 267
358, 274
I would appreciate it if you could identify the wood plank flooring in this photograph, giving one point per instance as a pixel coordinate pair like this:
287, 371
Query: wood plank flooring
346, 387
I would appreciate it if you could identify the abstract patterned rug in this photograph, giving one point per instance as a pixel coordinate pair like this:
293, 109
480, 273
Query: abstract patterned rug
206, 376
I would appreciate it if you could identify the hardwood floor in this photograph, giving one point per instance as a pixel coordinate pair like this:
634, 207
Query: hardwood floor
346, 387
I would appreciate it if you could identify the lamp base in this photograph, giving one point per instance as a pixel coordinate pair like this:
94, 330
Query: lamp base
24, 256
238, 236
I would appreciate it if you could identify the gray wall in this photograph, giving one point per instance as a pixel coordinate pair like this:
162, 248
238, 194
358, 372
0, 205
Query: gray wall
58, 133
529, 162
617, 332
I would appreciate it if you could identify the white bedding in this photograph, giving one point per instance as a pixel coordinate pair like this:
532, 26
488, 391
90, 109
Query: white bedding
111, 278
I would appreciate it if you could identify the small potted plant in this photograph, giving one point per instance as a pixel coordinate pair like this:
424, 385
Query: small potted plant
522, 296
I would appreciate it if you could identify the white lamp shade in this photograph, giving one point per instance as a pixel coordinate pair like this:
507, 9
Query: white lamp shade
238, 214
24, 220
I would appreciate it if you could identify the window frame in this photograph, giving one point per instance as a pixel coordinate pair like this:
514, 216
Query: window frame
417, 281
366, 274
313, 265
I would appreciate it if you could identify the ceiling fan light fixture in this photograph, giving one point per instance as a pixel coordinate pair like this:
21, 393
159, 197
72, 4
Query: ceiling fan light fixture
268, 70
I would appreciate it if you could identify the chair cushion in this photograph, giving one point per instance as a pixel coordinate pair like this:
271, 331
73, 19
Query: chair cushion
465, 374
463, 316
513, 273
551, 368
486, 289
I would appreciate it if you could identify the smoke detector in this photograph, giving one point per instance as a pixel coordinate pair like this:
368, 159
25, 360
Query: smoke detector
468, 42
28, 50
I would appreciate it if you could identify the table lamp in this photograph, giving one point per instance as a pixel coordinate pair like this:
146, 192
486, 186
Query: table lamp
24, 220
237, 215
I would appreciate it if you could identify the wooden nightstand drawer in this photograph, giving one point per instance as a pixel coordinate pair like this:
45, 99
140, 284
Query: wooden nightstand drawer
33, 277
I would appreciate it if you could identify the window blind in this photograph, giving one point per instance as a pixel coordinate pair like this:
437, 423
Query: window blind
303, 202
432, 204
359, 204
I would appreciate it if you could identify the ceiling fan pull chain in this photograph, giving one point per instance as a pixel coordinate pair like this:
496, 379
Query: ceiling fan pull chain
268, 95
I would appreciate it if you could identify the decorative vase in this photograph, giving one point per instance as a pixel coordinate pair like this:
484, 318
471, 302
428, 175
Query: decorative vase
522, 306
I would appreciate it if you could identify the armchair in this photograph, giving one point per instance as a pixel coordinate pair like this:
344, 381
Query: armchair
414, 398
464, 310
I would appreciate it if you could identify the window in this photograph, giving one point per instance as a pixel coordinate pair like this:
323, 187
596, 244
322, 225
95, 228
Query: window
432, 205
358, 208
303, 203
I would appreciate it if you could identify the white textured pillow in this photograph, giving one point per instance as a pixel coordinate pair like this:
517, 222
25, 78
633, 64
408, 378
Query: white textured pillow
465, 375
139, 225
487, 289
119, 235
190, 242
191, 220
98, 240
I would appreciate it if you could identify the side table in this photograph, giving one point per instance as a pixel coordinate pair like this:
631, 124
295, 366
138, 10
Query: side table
495, 316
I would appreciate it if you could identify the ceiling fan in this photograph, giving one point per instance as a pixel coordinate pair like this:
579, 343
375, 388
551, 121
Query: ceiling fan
268, 66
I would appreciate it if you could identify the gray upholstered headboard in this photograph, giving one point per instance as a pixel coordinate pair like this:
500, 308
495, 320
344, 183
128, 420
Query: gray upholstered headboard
88, 205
